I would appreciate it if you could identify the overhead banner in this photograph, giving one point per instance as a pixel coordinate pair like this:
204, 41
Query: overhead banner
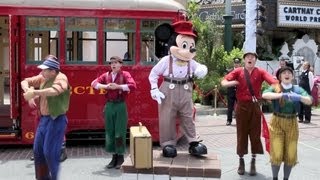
292, 15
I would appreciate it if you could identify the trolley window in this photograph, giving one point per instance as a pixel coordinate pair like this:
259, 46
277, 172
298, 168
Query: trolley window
148, 56
120, 39
42, 37
81, 40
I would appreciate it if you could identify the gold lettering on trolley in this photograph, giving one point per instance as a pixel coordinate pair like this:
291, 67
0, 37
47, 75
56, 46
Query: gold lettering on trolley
29, 135
87, 90
102, 91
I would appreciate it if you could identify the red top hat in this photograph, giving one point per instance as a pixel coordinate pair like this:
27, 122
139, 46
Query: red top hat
184, 27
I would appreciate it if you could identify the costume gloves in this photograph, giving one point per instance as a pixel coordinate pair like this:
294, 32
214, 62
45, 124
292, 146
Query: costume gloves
292, 96
157, 95
201, 71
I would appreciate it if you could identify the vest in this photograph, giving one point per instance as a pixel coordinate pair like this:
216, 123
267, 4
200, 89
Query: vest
276, 104
57, 105
118, 94
304, 81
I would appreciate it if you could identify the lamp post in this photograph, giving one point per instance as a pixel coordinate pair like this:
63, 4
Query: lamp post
227, 27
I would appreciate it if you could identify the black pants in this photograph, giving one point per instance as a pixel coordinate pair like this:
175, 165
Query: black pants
305, 112
231, 101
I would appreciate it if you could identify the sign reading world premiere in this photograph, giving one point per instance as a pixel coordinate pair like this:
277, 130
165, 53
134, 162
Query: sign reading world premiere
298, 16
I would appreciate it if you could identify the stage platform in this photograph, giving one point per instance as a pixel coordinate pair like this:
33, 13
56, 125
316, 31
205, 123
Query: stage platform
183, 165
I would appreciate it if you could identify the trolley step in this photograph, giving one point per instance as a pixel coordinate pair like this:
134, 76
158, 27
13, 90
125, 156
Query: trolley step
9, 133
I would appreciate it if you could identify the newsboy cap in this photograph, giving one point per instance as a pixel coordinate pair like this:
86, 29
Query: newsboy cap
115, 58
50, 64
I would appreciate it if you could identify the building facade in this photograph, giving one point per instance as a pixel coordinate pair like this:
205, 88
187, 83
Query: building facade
291, 29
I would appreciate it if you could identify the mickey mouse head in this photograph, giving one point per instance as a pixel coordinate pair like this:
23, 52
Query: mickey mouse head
180, 38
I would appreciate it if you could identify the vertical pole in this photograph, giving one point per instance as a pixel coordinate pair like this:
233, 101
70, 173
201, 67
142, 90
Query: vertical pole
215, 100
227, 27
250, 43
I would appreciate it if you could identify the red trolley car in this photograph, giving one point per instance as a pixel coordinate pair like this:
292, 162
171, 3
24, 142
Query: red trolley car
83, 34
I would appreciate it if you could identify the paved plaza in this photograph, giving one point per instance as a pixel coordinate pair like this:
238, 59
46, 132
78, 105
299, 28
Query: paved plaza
87, 162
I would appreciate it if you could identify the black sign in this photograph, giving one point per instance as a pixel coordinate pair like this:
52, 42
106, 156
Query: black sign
216, 14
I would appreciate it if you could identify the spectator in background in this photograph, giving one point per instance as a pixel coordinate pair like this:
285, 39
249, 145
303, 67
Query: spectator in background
306, 82
282, 63
231, 93
315, 90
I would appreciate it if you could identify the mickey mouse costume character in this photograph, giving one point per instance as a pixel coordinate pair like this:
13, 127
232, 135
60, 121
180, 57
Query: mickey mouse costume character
175, 93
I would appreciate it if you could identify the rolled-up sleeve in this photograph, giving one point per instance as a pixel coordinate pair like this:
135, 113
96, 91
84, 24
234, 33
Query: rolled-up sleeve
130, 82
60, 84
99, 80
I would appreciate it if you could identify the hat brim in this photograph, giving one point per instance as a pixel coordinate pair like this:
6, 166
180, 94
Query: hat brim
281, 70
255, 54
187, 33
43, 66
115, 61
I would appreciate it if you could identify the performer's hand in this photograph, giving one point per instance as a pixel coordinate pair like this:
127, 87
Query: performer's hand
113, 86
294, 97
201, 71
29, 94
285, 96
32, 103
157, 95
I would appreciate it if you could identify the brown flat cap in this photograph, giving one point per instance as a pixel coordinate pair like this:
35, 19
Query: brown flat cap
116, 58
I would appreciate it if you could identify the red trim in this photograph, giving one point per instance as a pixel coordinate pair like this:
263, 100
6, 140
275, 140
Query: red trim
13, 38
100, 42
62, 42
138, 43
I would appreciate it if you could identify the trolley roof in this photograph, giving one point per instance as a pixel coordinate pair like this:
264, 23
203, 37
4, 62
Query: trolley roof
169, 5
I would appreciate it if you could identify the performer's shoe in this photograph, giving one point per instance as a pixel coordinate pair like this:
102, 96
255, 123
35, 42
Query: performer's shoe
169, 151
228, 123
275, 178
197, 149
31, 158
241, 166
300, 121
113, 161
253, 171
120, 160
306, 122
63, 155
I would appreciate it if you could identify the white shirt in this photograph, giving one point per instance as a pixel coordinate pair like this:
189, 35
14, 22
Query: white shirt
162, 69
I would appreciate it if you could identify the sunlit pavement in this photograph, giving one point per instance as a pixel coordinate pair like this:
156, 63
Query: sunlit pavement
88, 162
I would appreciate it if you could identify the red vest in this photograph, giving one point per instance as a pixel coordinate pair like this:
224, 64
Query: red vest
118, 94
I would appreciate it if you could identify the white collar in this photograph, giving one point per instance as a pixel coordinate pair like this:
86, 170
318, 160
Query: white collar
286, 86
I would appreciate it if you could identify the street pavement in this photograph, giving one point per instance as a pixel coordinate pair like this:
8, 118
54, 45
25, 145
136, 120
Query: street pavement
88, 162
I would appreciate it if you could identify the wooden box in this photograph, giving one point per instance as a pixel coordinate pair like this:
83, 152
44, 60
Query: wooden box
141, 147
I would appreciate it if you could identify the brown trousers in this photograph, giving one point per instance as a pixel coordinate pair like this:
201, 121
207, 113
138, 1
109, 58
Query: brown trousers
176, 105
284, 136
248, 118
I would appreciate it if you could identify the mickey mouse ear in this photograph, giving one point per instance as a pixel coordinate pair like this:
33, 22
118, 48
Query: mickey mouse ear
163, 32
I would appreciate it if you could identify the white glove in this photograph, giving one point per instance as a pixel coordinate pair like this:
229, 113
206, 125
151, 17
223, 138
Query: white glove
201, 71
157, 95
